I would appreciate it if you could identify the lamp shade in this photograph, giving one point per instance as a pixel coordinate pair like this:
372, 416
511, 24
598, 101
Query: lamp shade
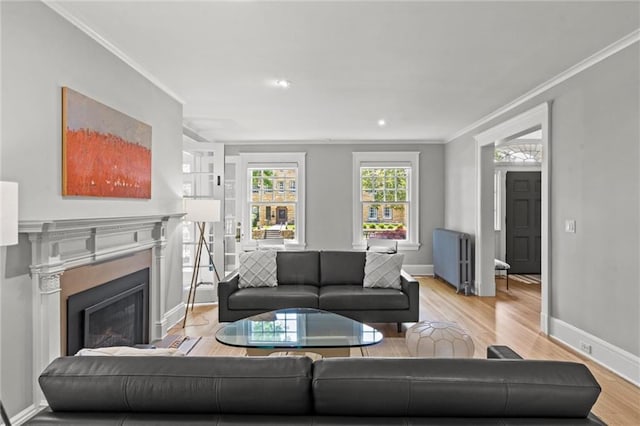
8, 213
202, 210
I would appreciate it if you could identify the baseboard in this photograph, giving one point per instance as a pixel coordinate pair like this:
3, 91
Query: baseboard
544, 323
25, 415
204, 294
621, 362
418, 269
172, 317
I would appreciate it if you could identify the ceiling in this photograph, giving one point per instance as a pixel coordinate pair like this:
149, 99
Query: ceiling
428, 68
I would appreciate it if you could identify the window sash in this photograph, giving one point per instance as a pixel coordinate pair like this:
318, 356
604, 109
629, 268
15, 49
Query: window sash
382, 185
388, 191
257, 161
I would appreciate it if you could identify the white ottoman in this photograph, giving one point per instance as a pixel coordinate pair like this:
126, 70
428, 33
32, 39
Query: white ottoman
434, 339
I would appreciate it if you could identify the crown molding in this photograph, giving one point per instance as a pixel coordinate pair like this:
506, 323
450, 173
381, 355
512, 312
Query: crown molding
335, 142
612, 49
78, 23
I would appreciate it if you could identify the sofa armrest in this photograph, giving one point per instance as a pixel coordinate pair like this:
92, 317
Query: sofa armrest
501, 352
226, 288
411, 287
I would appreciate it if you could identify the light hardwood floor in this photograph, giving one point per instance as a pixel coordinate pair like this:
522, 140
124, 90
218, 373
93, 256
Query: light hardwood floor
511, 318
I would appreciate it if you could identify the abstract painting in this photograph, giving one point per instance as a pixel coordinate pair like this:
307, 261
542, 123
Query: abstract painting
105, 153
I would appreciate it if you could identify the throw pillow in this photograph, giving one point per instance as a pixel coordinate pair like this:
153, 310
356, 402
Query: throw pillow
258, 269
382, 270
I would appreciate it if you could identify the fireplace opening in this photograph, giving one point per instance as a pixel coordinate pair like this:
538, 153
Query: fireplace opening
111, 314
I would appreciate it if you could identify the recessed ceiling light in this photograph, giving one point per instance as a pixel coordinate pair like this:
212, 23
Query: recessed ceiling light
283, 83
382, 122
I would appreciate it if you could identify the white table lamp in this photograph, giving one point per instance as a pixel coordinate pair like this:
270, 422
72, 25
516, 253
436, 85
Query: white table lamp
200, 210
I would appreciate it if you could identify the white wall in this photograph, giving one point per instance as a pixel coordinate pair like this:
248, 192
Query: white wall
594, 180
41, 52
329, 192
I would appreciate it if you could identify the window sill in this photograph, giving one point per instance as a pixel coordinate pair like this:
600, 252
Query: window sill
252, 246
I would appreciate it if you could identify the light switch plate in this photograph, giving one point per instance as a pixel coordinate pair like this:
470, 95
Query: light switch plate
570, 226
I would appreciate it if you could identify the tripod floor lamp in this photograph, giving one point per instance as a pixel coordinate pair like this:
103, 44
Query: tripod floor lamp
200, 211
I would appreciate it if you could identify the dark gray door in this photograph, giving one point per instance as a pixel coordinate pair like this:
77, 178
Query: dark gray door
282, 215
524, 230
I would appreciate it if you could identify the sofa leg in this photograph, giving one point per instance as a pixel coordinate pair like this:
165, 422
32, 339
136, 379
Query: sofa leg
399, 327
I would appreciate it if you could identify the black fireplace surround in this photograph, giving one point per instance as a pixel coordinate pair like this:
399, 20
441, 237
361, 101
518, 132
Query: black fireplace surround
115, 313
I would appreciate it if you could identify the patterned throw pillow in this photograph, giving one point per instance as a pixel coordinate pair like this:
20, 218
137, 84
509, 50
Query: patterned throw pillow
382, 270
258, 269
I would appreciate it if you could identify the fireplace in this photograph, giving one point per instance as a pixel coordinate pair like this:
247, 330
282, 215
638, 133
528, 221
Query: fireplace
112, 314
70, 256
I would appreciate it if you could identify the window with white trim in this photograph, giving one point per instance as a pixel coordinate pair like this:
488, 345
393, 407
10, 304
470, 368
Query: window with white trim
273, 207
387, 213
386, 184
373, 213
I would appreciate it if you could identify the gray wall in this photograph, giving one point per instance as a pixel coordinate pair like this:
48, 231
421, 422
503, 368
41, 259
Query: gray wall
594, 180
460, 185
41, 52
329, 191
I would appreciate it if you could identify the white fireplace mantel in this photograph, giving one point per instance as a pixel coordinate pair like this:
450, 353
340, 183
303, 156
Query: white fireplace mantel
58, 245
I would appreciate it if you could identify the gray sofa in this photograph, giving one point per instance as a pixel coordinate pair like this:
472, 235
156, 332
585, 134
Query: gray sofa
297, 391
327, 280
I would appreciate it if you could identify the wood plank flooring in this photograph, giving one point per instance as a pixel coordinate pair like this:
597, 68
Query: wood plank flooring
511, 318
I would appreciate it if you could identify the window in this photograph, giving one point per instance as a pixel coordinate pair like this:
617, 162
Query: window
284, 328
387, 213
519, 153
387, 183
373, 213
275, 204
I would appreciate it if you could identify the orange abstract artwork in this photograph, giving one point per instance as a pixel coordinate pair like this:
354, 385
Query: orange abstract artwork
105, 152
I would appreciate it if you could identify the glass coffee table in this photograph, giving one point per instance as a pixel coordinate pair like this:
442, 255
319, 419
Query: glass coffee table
298, 330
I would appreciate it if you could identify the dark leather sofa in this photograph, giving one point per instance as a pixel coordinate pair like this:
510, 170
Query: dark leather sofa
335, 391
327, 280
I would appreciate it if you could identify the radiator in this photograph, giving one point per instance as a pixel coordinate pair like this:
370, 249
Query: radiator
452, 260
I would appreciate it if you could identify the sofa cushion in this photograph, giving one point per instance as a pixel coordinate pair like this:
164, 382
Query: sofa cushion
382, 270
354, 297
272, 298
179, 385
257, 269
342, 267
453, 388
298, 267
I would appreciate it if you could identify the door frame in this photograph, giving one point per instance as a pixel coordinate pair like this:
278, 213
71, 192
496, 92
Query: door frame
537, 117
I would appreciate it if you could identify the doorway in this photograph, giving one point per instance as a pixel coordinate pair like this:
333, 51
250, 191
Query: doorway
282, 215
536, 118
